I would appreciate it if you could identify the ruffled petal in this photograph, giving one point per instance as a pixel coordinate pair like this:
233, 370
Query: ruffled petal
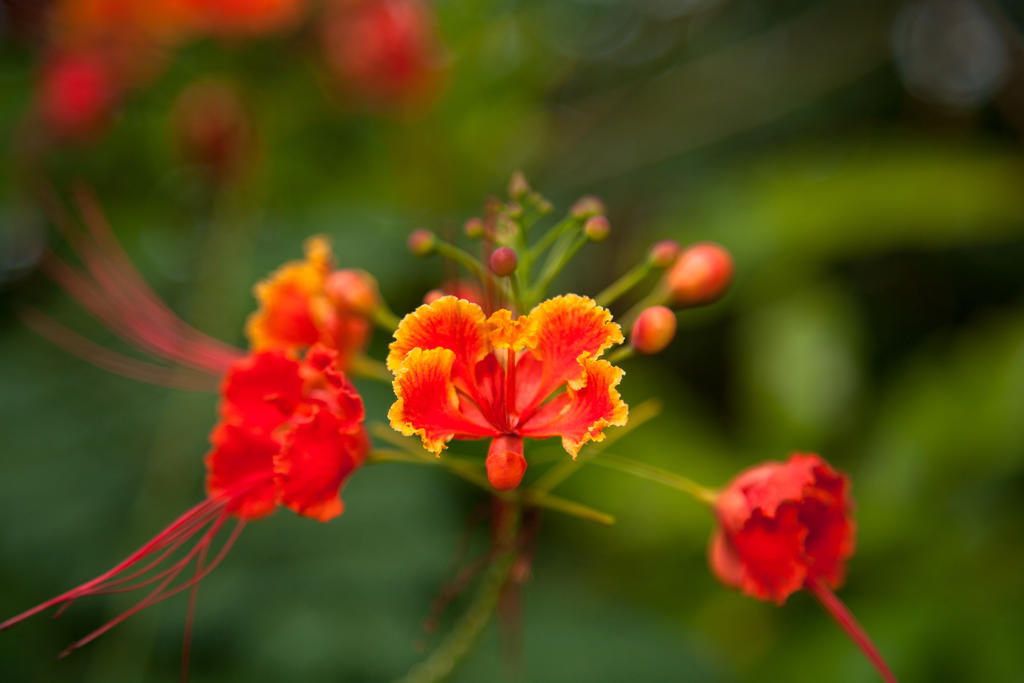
287, 317
240, 469
261, 390
581, 414
447, 323
725, 563
428, 403
827, 513
563, 329
764, 487
771, 553
319, 454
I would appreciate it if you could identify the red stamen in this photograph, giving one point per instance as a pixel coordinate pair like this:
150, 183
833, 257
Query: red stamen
113, 361
835, 607
510, 387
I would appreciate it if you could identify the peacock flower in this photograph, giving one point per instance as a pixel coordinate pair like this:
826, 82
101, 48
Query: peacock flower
300, 307
291, 433
462, 375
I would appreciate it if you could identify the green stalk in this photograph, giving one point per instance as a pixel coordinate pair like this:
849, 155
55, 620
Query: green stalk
625, 283
658, 475
443, 660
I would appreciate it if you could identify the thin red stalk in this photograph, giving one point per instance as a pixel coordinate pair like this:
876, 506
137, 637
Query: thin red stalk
153, 597
835, 607
153, 545
216, 352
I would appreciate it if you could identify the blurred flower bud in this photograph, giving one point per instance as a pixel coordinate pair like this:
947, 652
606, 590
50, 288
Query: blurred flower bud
432, 296
518, 188
383, 51
585, 207
474, 228
212, 129
514, 210
76, 95
664, 253
653, 330
421, 241
503, 261
505, 229
352, 290
597, 228
700, 275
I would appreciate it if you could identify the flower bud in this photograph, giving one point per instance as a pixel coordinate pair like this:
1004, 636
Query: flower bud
432, 296
352, 290
505, 462
653, 330
503, 261
212, 129
700, 275
596, 228
474, 228
514, 210
421, 241
664, 253
517, 186
587, 206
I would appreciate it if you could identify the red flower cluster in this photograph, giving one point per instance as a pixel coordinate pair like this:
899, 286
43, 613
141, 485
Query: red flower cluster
291, 433
294, 430
783, 526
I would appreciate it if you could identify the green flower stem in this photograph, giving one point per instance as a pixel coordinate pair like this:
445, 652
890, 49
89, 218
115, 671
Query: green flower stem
384, 318
517, 294
658, 475
370, 368
625, 283
557, 474
473, 265
443, 660
620, 354
474, 475
557, 260
557, 230
656, 298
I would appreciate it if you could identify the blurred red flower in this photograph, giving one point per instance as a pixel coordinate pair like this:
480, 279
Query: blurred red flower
783, 525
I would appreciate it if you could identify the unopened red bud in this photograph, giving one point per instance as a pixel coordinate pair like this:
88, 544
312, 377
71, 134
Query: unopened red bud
597, 228
700, 275
505, 462
664, 253
517, 186
421, 241
503, 261
473, 228
653, 330
352, 290
585, 207
432, 296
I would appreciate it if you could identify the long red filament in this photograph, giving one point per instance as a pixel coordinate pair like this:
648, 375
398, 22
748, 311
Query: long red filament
119, 364
118, 296
510, 387
835, 607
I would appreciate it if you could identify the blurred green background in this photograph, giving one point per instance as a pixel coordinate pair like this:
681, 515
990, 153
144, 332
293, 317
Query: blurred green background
860, 158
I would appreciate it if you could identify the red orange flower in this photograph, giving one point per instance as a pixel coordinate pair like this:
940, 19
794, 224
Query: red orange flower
462, 375
291, 433
300, 308
782, 526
